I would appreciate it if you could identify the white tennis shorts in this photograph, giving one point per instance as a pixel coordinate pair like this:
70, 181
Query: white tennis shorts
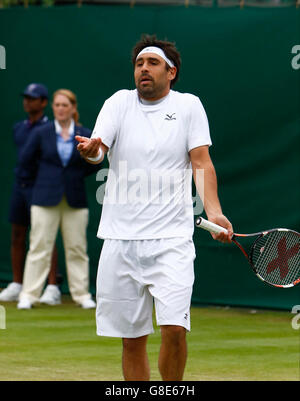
134, 274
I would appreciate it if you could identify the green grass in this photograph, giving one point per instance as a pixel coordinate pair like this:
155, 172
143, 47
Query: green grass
60, 343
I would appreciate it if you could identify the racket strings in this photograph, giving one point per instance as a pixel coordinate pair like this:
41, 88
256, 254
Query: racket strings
276, 257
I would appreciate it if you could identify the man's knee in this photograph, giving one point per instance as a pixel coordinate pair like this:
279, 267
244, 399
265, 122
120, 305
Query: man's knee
173, 334
133, 345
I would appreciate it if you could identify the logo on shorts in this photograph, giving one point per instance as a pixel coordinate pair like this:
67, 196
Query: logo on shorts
186, 316
170, 117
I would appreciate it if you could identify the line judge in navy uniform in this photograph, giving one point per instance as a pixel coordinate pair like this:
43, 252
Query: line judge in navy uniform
35, 100
58, 201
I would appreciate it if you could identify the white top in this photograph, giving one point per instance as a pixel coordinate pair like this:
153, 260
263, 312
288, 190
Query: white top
148, 191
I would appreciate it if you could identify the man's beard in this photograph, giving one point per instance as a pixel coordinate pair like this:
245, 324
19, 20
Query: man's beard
147, 92
152, 91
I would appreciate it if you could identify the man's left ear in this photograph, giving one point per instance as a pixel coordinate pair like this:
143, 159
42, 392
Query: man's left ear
172, 72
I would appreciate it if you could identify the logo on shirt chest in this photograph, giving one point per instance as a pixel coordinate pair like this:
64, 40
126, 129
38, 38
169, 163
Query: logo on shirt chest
170, 117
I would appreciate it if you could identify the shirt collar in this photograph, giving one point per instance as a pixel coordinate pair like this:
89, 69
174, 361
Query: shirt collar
58, 127
43, 119
152, 102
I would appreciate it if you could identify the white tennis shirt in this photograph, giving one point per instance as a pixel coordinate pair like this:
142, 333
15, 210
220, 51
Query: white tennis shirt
148, 191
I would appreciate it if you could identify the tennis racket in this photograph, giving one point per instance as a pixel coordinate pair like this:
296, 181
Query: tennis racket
274, 255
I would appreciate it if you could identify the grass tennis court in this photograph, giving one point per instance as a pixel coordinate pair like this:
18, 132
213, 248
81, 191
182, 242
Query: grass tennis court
59, 343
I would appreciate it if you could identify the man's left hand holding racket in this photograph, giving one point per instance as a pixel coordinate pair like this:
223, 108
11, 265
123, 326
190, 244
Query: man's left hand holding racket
222, 221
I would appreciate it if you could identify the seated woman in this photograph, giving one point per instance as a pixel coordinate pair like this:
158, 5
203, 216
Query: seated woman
58, 201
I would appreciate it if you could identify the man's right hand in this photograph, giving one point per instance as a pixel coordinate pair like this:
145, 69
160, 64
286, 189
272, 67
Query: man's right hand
88, 147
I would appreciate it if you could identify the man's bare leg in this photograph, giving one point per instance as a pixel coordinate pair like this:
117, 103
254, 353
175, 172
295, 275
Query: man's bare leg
52, 278
173, 353
135, 359
18, 251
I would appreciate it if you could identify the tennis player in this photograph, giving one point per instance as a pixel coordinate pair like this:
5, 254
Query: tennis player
148, 252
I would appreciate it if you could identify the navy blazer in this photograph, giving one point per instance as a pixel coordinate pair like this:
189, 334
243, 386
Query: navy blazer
22, 131
53, 180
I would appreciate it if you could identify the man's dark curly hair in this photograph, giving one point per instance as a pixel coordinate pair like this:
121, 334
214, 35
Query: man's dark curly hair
168, 47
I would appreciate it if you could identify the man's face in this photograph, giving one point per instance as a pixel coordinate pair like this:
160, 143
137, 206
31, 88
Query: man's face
152, 78
33, 105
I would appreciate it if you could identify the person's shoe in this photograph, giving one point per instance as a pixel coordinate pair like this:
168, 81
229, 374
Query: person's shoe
88, 304
11, 292
51, 295
24, 304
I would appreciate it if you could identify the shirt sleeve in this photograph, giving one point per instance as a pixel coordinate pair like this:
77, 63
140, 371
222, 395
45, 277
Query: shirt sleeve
198, 134
106, 126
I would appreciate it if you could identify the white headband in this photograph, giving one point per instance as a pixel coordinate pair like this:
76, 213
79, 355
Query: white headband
158, 51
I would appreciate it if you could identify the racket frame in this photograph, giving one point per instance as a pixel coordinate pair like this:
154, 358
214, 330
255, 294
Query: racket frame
216, 229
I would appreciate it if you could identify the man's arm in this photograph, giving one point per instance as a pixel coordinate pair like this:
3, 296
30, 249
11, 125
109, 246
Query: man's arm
201, 160
91, 148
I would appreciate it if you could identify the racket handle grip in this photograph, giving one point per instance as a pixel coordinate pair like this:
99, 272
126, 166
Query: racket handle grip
209, 226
